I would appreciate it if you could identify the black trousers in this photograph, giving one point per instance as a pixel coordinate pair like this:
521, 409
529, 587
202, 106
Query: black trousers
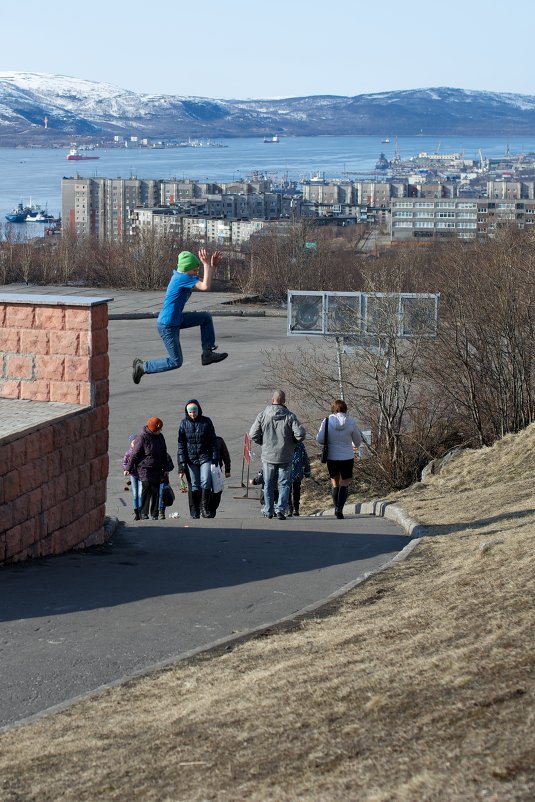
150, 498
295, 496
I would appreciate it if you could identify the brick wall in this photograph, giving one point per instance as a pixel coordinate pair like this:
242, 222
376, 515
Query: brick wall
53, 474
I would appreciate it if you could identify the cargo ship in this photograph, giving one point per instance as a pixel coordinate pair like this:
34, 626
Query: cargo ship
74, 155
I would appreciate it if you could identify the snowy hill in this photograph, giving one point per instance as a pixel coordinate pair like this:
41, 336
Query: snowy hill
99, 110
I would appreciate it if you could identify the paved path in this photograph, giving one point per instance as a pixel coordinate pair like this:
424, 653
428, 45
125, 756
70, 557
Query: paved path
73, 623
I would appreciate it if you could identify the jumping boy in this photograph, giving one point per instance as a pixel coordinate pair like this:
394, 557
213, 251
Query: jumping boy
172, 317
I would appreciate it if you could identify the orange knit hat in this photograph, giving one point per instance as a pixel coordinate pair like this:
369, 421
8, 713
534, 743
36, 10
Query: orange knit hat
154, 424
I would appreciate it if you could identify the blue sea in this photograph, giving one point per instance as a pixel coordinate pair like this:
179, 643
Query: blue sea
34, 175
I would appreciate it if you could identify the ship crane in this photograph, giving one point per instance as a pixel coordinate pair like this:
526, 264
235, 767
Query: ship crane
397, 155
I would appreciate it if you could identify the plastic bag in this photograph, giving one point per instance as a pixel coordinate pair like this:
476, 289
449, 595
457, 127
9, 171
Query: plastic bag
218, 479
168, 495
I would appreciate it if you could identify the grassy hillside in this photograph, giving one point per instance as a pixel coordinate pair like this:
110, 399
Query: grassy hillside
419, 685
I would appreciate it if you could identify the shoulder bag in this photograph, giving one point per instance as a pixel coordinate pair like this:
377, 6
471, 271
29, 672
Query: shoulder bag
325, 441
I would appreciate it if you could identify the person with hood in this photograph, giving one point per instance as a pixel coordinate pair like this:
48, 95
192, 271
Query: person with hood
135, 481
149, 458
342, 435
277, 430
172, 317
197, 452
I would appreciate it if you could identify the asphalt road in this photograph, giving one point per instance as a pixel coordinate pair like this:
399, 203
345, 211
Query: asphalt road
71, 624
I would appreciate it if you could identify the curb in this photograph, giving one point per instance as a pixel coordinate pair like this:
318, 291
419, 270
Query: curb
213, 312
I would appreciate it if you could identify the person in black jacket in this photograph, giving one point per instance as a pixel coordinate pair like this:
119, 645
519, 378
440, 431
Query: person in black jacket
150, 458
197, 452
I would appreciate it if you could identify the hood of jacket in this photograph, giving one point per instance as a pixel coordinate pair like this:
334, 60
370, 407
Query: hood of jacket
338, 420
192, 401
276, 412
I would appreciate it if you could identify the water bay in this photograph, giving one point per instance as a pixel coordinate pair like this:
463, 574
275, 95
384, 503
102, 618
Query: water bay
35, 174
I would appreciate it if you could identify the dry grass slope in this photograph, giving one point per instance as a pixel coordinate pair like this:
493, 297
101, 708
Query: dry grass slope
418, 686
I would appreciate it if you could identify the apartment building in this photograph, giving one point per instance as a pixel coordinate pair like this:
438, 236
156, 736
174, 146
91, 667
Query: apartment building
215, 231
101, 207
426, 218
465, 218
508, 189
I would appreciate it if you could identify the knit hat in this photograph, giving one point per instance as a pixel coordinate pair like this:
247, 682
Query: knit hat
187, 261
154, 425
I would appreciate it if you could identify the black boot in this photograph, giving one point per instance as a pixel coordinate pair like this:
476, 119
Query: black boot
195, 508
342, 498
206, 512
209, 357
138, 370
334, 494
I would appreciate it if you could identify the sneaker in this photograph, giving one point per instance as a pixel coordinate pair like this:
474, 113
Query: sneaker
339, 515
144, 517
281, 516
137, 370
162, 515
209, 357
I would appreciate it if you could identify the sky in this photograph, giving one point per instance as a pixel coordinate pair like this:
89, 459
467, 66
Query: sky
276, 48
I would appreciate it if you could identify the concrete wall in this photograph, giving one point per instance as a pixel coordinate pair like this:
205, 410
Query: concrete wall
53, 424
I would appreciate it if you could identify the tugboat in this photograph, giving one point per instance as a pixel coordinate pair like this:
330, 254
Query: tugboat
18, 214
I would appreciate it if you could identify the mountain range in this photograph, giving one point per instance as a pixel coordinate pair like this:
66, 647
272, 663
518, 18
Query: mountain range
94, 111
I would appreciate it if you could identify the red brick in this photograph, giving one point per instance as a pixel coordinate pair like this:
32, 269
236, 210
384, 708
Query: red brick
50, 367
102, 393
7, 458
101, 418
19, 367
86, 395
100, 367
102, 442
53, 519
11, 485
35, 502
20, 316
73, 483
65, 343
6, 519
35, 391
27, 477
99, 342
52, 461
13, 537
99, 317
9, 389
34, 342
77, 369
20, 510
85, 339
10, 341
29, 532
77, 319
49, 318
2, 315
65, 393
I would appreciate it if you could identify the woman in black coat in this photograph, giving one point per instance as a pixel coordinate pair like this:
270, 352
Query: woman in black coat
197, 452
151, 460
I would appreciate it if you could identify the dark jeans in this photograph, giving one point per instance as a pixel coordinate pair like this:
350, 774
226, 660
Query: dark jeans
295, 496
150, 498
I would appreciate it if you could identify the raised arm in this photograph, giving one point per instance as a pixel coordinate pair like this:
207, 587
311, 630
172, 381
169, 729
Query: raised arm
209, 268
